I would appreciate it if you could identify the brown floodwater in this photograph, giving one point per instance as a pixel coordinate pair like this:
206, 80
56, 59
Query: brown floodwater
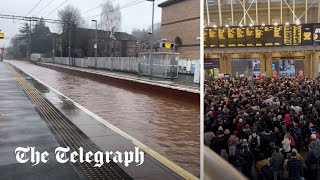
166, 125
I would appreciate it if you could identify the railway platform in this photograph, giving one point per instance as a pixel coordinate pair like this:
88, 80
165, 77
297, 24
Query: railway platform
33, 114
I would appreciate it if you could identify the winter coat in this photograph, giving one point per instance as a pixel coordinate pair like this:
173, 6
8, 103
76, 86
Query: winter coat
276, 161
315, 144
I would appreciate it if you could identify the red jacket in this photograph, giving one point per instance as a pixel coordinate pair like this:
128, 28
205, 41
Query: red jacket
287, 120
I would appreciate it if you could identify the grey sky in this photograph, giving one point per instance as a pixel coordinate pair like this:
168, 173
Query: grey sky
136, 16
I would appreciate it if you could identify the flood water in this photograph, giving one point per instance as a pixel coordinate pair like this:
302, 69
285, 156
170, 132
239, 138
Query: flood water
166, 125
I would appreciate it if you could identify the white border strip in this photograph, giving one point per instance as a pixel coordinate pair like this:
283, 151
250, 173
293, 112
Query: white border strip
169, 164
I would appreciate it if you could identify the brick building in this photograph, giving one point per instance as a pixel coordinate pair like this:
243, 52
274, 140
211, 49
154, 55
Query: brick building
181, 22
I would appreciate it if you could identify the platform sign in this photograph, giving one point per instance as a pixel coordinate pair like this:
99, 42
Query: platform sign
250, 36
213, 37
287, 35
278, 36
205, 36
1, 35
296, 35
268, 35
241, 36
259, 31
306, 32
222, 37
232, 37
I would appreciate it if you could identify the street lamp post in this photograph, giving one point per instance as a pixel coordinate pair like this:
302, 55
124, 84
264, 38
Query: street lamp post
52, 45
112, 45
151, 40
96, 45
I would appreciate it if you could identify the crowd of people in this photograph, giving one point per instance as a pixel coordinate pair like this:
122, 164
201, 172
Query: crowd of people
266, 128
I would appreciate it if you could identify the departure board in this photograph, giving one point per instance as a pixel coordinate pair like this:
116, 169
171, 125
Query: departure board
232, 37
205, 36
287, 35
296, 35
222, 37
278, 35
268, 36
250, 36
213, 37
306, 35
262, 36
241, 36
259, 31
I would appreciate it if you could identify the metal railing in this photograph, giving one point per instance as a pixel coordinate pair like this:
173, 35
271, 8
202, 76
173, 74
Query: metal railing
159, 70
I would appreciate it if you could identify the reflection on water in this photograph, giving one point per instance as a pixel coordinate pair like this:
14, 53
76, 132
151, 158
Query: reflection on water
167, 126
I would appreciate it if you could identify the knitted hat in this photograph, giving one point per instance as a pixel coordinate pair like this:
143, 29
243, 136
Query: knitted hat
247, 126
220, 128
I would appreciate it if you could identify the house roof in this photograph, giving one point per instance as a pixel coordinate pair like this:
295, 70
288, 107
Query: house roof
123, 36
169, 2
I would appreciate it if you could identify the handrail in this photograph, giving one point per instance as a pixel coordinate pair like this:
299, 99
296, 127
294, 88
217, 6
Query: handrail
217, 168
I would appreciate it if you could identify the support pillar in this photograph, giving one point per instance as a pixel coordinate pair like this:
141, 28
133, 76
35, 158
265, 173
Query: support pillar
222, 64
262, 64
228, 64
268, 58
307, 67
315, 64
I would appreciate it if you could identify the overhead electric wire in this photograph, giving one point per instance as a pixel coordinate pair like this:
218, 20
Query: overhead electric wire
96, 7
25, 18
122, 7
56, 8
47, 5
34, 7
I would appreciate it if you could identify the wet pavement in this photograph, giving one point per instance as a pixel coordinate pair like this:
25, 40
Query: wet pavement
168, 126
22, 126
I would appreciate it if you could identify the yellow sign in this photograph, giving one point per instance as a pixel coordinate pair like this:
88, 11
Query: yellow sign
1, 35
168, 45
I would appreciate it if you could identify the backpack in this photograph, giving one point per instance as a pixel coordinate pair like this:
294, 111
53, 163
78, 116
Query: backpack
292, 142
254, 142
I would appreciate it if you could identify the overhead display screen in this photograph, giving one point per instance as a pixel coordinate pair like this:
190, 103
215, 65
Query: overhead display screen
213, 37
278, 35
287, 35
306, 32
205, 34
250, 36
222, 37
259, 33
268, 36
232, 37
241, 36
296, 35
262, 36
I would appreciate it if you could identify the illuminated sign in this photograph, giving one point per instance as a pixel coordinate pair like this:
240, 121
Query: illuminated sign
222, 37
1, 35
262, 36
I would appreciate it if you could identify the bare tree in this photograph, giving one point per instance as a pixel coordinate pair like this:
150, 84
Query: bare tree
110, 17
70, 15
143, 34
72, 20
